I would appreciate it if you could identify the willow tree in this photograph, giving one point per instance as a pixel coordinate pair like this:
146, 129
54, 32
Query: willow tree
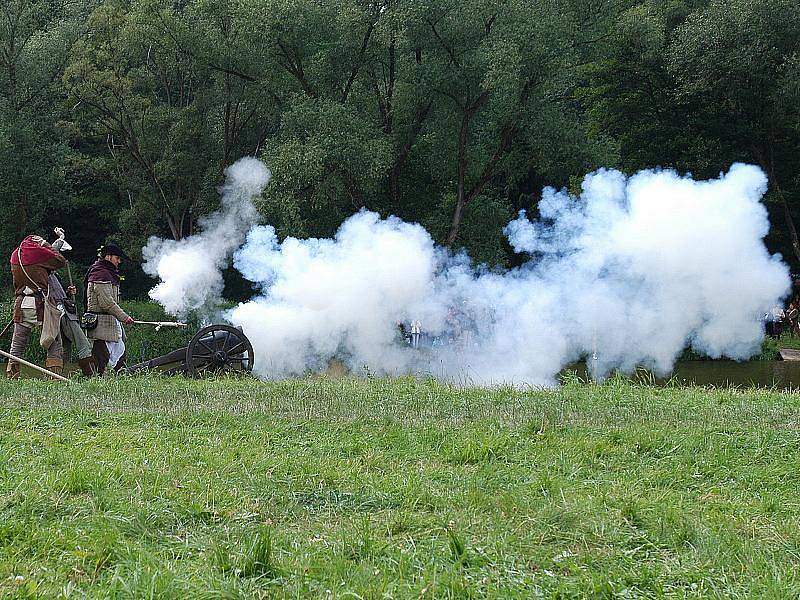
502, 73
740, 62
333, 149
35, 37
417, 109
167, 89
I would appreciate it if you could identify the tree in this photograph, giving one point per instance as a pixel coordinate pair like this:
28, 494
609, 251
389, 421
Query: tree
421, 109
332, 150
739, 61
35, 36
172, 117
497, 69
631, 96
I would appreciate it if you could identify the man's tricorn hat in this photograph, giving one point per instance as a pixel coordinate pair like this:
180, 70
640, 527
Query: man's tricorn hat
112, 249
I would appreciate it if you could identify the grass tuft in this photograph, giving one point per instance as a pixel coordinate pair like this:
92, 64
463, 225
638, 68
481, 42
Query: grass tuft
258, 560
457, 546
478, 446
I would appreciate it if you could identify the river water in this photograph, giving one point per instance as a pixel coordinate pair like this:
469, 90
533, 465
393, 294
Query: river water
779, 374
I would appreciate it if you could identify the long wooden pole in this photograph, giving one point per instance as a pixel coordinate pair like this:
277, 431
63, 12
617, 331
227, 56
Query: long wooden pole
33, 366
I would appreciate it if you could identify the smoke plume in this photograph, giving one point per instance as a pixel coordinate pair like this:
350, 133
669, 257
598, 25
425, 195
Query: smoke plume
628, 273
190, 269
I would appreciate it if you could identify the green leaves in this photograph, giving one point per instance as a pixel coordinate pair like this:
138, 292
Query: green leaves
453, 113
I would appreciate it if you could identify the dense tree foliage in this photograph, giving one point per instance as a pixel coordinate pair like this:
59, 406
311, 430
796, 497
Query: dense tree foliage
118, 117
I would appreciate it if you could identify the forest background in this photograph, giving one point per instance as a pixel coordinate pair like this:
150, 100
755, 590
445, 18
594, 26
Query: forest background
118, 118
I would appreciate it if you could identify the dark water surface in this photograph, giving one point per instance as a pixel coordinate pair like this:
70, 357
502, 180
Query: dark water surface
780, 374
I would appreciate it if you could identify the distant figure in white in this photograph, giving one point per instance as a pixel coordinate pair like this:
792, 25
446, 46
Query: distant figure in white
774, 321
416, 330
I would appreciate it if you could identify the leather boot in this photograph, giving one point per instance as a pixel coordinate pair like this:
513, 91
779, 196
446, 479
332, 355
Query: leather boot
19, 341
54, 365
88, 366
100, 355
12, 370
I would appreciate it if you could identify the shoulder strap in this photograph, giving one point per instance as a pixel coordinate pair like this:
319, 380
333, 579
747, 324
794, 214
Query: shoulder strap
36, 285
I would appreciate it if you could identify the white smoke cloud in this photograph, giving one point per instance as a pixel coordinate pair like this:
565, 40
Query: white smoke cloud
190, 270
339, 297
631, 271
643, 266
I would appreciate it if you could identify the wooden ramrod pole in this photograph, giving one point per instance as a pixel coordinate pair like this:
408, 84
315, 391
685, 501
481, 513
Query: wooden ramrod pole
33, 366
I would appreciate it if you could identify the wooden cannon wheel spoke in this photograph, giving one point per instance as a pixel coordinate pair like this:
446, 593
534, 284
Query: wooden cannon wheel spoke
237, 349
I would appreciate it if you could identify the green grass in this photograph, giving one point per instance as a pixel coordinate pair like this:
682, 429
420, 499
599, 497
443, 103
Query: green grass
788, 341
373, 488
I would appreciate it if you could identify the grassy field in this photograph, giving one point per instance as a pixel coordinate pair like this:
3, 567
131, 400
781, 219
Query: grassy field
358, 488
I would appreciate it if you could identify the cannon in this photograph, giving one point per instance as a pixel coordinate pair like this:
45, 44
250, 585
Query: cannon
213, 349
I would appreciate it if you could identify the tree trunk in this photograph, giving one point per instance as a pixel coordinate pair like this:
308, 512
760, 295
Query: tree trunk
463, 197
175, 227
458, 213
767, 161
400, 159
787, 214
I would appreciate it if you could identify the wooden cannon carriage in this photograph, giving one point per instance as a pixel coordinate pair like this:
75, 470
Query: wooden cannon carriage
213, 349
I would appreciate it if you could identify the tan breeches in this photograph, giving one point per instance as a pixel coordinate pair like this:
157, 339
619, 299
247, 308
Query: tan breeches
21, 337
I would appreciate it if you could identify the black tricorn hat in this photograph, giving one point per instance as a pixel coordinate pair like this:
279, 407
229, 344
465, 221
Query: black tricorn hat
112, 249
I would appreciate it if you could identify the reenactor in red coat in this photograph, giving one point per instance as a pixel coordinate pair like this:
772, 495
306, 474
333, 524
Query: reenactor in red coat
31, 265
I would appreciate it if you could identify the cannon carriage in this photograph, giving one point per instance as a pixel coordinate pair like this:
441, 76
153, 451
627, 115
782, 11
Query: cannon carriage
213, 349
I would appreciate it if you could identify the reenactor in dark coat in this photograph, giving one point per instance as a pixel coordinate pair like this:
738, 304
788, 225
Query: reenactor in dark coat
102, 299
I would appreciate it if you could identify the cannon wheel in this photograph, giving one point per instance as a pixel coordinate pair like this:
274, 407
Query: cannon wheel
219, 349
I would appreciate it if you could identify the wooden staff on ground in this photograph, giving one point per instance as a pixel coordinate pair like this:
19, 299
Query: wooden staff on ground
22, 361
